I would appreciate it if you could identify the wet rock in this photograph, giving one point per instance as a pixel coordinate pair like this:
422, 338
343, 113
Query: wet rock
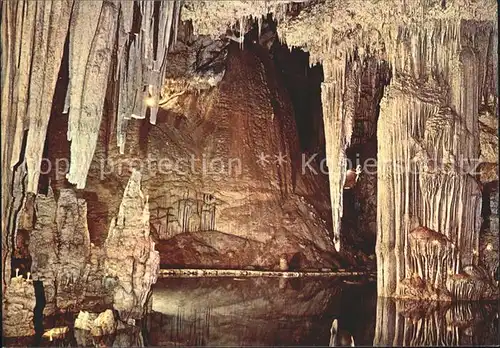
415, 288
104, 324
73, 248
431, 323
489, 240
488, 134
43, 248
472, 285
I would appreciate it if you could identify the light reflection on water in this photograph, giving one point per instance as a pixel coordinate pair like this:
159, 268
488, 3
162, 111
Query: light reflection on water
297, 311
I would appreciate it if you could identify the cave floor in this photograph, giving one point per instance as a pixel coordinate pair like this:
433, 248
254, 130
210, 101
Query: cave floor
291, 311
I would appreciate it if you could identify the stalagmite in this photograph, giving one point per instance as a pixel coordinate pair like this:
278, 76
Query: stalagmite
17, 313
60, 248
43, 248
131, 258
142, 72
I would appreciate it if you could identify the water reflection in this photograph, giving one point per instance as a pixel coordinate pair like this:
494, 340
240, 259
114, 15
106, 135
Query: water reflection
265, 311
277, 312
413, 323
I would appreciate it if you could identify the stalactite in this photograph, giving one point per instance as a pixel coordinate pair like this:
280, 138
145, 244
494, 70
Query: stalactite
49, 34
141, 73
339, 94
87, 97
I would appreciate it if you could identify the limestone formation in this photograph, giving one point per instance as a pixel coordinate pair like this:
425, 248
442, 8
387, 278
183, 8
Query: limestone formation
433, 65
33, 35
98, 324
43, 248
18, 305
175, 81
213, 202
89, 61
489, 241
60, 248
131, 258
488, 128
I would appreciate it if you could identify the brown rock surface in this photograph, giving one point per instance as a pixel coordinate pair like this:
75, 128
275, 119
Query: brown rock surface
61, 251
238, 198
18, 305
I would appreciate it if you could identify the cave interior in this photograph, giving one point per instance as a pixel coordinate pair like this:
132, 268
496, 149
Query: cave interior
143, 140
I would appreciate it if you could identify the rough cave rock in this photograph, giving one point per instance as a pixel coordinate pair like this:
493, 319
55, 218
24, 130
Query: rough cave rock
170, 133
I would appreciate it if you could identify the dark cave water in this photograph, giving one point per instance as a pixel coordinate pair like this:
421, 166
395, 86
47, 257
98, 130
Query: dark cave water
287, 312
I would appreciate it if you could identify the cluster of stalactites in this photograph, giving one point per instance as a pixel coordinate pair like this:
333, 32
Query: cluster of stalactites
142, 61
37, 33
213, 18
140, 70
33, 36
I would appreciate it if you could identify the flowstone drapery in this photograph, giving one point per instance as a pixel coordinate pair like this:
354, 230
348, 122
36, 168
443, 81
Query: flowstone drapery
443, 71
428, 159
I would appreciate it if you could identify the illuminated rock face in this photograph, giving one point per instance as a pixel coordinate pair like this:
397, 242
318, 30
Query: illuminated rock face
219, 195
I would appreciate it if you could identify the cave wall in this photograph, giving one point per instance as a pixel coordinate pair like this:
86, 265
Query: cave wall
209, 218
